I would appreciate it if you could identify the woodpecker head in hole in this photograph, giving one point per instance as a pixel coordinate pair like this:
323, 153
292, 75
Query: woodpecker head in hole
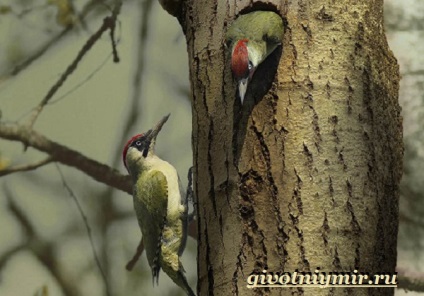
141, 146
252, 37
244, 60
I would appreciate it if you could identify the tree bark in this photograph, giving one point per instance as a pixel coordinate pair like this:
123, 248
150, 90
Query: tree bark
306, 174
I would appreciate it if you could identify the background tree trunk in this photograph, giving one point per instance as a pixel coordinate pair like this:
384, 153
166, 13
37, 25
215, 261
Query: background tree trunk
307, 174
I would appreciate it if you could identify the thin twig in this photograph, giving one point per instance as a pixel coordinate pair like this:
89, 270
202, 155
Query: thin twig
26, 167
82, 82
87, 226
108, 24
45, 47
130, 265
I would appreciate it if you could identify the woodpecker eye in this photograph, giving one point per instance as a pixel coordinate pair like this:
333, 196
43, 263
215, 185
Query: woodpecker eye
250, 65
142, 146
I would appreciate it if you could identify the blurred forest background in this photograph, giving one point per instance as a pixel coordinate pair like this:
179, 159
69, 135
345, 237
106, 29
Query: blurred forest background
44, 241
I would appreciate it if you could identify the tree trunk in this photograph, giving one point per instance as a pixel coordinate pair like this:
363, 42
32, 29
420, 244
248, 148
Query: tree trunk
306, 174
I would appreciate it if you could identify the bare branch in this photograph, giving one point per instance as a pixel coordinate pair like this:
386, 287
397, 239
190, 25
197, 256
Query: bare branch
134, 259
410, 281
98, 171
26, 167
108, 24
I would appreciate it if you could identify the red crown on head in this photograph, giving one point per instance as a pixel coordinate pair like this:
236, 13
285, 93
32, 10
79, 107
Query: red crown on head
240, 59
124, 152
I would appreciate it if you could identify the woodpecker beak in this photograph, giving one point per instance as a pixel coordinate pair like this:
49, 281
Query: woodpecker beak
242, 87
152, 134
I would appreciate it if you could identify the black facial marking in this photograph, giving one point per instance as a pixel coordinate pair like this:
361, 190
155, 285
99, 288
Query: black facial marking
146, 150
142, 145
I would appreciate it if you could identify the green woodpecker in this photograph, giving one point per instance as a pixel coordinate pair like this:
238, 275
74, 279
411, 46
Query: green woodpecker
252, 37
160, 206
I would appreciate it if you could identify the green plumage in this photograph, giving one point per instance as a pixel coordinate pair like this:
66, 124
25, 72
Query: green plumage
164, 232
152, 193
264, 29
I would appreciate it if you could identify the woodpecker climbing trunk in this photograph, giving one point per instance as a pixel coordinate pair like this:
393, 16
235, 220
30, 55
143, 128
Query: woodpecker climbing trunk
307, 175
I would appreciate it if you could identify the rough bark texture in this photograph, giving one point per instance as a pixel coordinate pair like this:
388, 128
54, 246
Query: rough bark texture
305, 175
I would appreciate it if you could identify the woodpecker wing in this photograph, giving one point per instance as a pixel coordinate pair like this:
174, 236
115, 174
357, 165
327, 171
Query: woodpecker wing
152, 204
